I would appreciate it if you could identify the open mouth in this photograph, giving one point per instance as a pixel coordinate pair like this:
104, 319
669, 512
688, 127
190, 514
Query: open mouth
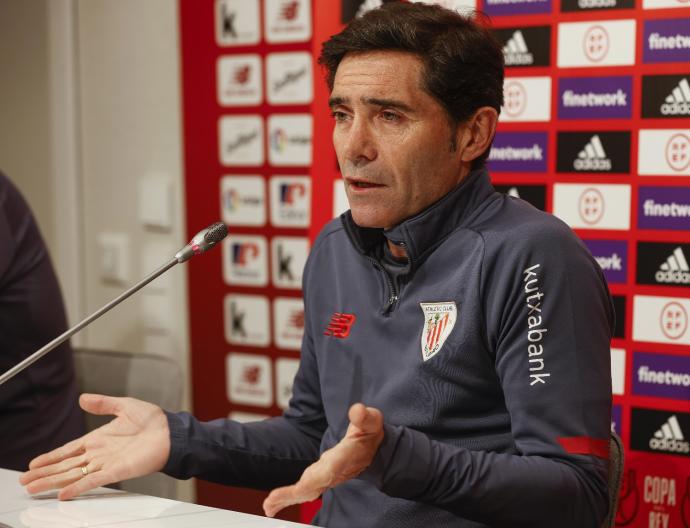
363, 184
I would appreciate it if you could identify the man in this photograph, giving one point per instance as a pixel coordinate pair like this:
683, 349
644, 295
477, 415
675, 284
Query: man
38, 407
455, 364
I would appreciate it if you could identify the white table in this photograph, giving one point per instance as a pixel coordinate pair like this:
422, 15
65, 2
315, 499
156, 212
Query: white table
114, 509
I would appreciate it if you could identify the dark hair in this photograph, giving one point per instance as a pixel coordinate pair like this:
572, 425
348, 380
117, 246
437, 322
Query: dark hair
463, 60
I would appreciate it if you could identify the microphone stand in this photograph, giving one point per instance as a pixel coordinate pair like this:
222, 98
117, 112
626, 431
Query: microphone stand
69, 333
202, 242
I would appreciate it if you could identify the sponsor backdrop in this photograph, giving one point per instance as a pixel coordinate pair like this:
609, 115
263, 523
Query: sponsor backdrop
595, 129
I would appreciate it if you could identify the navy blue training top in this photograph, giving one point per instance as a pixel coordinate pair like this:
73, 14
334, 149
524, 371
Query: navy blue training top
489, 358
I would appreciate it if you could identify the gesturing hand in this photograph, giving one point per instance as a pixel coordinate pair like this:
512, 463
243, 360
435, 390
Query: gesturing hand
344, 461
134, 444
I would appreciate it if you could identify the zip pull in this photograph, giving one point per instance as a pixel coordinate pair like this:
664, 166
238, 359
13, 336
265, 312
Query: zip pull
391, 302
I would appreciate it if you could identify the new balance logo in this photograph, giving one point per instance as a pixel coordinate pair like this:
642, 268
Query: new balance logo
675, 270
515, 51
592, 157
340, 325
678, 103
670, 438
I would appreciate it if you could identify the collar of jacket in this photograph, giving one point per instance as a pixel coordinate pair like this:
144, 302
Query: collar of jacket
423, 232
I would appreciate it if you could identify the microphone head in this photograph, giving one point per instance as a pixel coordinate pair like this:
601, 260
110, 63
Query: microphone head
216, 232
203, 241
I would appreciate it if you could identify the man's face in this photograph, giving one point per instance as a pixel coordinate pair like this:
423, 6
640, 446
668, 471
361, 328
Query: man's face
392, 139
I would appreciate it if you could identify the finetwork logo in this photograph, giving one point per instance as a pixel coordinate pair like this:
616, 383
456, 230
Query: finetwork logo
612, 257
661, 375
656, 41
595, 97
516, 7
515, 51
519, 152
589, 99
666, 40
533, 153
672, 209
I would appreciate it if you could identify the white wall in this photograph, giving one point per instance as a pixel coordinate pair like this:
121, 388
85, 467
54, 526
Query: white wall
24, 104
90, 107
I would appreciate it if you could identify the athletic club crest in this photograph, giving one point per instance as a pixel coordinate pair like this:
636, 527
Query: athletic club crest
439, 320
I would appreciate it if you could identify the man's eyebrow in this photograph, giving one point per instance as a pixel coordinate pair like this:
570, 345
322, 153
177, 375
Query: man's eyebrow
375, 101
393, 103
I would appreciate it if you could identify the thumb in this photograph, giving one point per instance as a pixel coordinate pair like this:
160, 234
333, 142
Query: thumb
100, 404
367, 419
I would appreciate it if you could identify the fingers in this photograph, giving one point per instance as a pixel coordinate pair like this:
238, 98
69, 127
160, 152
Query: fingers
55, 481
85, 483
100, 404
281, 498
70, 449
367, 419
53, 469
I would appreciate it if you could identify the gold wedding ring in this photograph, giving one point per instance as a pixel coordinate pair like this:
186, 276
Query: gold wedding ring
84, 470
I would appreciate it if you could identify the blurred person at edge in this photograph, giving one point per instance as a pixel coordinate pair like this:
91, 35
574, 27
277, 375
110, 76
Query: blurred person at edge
455, 366
38, 407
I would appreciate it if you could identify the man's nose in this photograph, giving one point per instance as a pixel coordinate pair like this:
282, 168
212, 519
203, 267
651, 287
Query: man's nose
360, 142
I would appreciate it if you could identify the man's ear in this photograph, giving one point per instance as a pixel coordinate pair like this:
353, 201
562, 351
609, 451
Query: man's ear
476, 134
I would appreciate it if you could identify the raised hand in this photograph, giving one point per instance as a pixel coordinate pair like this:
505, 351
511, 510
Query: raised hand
344, 461
134, 444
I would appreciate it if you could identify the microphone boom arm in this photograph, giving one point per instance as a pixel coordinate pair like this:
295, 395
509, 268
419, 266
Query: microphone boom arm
69, 333
202, 242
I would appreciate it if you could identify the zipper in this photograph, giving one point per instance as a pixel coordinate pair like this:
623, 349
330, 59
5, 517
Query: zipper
392, 293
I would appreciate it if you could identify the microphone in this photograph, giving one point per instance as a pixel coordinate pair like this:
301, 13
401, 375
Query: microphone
200, 243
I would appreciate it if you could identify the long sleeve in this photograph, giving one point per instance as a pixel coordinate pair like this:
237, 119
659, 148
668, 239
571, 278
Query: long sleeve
548, 321
261, 455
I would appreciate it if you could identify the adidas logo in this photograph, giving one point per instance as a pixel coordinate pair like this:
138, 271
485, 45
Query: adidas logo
592, 157
678, 103
515, 51
670, 438
675, 270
